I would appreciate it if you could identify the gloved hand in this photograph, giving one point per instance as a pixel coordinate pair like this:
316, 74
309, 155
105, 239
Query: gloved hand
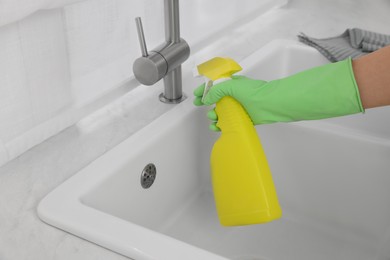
321, 92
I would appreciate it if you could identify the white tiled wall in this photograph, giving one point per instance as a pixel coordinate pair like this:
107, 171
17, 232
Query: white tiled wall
54, 62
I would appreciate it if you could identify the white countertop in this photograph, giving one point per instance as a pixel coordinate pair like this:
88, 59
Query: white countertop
30, 177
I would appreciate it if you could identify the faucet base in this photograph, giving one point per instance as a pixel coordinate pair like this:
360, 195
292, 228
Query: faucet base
171, 101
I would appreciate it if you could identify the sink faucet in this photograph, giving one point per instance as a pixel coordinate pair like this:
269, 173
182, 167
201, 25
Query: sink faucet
165, 60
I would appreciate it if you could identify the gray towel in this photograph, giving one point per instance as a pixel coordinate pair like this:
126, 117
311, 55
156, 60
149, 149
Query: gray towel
352, 43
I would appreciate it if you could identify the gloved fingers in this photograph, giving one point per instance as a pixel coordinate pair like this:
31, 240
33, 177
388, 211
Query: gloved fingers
238, 84
198, 92
217, 92
214, 95
213, 127
212, 115
198, 101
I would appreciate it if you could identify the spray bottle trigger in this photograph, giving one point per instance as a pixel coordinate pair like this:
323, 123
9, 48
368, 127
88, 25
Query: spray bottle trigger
207, 86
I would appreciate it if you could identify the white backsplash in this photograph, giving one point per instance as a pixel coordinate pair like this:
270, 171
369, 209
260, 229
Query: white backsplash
56, 62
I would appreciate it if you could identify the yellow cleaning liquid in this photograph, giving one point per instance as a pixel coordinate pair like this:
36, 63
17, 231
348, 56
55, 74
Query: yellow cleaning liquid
242, 183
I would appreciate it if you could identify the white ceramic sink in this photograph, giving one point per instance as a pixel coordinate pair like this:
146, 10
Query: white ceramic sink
332, 178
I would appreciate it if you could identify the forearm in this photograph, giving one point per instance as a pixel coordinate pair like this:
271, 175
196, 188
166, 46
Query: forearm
372, 74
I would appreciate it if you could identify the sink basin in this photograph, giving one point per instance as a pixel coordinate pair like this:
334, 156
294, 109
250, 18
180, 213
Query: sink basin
332, 178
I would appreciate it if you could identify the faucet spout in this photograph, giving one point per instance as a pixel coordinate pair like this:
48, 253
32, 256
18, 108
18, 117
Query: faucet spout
172, 21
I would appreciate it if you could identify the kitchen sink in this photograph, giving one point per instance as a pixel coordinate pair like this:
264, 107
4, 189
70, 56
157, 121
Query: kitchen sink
332, 177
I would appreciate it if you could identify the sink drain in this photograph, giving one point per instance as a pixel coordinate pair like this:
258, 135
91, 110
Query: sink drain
148, 175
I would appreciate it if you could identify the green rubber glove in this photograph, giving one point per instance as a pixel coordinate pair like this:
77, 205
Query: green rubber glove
321, 92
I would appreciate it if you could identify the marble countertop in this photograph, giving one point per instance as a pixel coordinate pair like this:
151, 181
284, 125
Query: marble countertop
30, 177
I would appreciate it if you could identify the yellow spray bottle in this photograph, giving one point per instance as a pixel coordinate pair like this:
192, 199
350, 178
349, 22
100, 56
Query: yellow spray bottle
242, 183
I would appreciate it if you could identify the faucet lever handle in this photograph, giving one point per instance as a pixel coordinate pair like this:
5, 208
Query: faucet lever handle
141, 36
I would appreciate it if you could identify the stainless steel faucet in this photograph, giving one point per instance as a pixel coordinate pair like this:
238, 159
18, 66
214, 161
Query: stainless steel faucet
165, 60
